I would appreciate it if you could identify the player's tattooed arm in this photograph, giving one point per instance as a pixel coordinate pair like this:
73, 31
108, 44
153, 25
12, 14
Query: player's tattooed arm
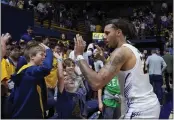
111, 69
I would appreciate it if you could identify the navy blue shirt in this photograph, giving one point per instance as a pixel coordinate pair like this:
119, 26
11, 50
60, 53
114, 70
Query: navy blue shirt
67, 104
29, 96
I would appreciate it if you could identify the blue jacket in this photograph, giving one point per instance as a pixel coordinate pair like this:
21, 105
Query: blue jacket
29, 97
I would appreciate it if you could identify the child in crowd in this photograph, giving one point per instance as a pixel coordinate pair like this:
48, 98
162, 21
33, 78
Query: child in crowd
109, 96
29, 97
109, 105
71, 96
4, 71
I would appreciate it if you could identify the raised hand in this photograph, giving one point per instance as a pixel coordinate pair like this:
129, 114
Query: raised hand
44, 46
5, 37
58, 55
100, 50
80, 45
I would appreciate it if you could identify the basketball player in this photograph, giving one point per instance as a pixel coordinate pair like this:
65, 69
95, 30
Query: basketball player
139, 100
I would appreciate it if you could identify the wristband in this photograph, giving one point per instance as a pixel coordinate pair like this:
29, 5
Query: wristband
59, 60
79, 57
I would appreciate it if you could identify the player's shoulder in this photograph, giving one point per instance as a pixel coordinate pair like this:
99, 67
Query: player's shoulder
121, 53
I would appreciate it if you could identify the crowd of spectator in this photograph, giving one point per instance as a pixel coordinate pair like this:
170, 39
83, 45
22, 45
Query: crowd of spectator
147, 21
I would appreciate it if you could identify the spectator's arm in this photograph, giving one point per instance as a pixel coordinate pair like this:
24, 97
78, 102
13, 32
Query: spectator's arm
60, 85
147, 61
60, 77
163, 64
100, 102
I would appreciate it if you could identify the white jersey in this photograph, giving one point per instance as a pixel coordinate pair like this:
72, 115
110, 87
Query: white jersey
137, 92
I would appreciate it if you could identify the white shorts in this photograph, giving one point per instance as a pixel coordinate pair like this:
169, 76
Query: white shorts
151, 113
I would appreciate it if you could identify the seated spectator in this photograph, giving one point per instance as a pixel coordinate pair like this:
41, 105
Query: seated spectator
20, 4
164, 21
12, 3
41, 10
164, 7
48, 15
69, 23
30, 5
61, 15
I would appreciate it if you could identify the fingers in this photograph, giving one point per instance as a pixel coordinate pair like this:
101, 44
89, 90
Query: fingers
7, 35
75, 41
79, 40
97, 47
42, 45
2, 35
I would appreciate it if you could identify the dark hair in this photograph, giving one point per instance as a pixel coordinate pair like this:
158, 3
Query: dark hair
16, 54
128, 29
68, 62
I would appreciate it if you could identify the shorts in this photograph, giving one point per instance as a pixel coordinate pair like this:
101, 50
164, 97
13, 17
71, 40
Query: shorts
151, 113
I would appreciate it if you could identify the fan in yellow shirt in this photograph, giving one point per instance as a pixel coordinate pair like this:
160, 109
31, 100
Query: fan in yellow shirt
12, 60
51, 79
4, 66
4, 70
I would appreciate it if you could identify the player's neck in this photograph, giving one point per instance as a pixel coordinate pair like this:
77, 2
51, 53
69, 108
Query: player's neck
121, 43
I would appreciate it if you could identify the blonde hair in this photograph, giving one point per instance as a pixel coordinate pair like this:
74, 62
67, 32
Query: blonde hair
32, 49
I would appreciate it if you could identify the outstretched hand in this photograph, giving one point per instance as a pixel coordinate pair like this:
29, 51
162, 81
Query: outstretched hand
44, 46
5, 38
58, 55
80, 45
100, 50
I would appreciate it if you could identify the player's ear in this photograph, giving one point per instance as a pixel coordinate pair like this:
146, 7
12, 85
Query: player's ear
119, 32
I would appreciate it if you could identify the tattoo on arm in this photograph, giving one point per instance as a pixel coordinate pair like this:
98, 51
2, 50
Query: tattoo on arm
112, 65
106, 74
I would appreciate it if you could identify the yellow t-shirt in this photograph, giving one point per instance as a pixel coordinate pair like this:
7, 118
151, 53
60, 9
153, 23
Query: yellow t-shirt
51, 79
11, 68
4, 70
